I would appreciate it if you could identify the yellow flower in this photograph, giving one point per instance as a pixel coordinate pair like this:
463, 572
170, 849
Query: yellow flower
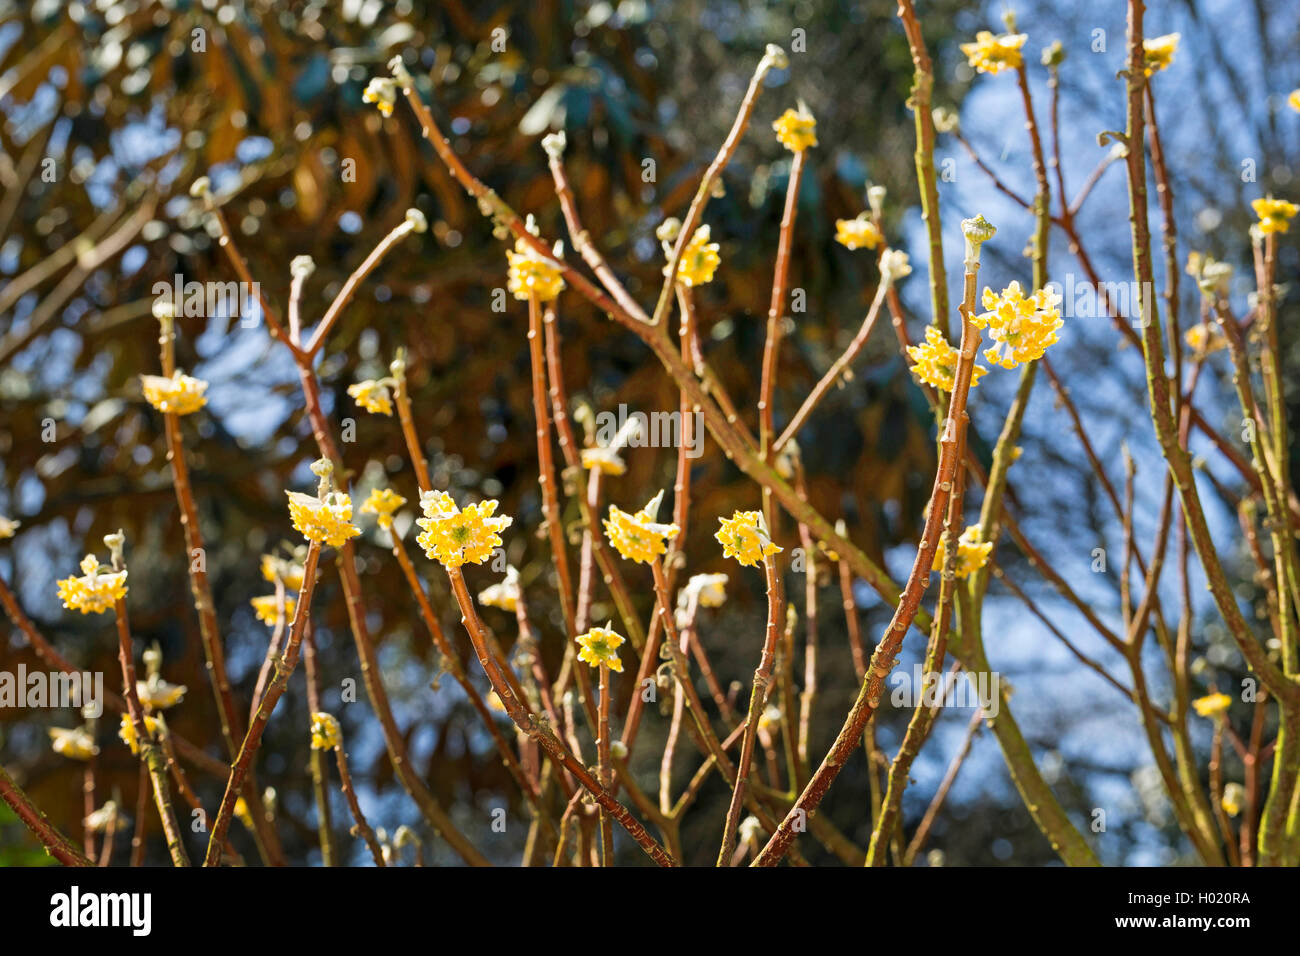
796, 130
1212, 705
744, 537
972, 554
700, 259
127, 731
453, 536
156, 694
325, 522
1021, 328
936, 362
372, 396
7, 527
1275, 215
75, 744
710, 589
382, 91
532, 275
241, 805
993, 54
95, 592
639, 537
1205, 338
180, 394
267, 608
857, 233
326, 734
504, 594
382, 503
289, 572
600, 646
1160, 51
1233, 795
770, 718
1293, 100
607, 460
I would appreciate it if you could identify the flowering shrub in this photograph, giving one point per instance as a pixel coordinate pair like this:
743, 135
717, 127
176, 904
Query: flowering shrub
553, 727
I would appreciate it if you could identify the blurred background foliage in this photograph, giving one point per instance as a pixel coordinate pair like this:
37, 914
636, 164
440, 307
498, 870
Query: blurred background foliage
132, 100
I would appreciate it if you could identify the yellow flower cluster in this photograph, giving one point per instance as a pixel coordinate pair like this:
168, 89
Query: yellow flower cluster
288, 571
860, 233
700, 259
1212, 705
710, 589
325, 522
381, 91
381, 503
75, 743
532, 275
326, 734
1205, 339
453, 536
936, 362
1275, 215
156, 694
7, 527
180, 394
1021, 327
607, 460
1293, 100
372, 396
504, 594
796, 130
639, 537
95, 592
600, 646
972, 554
993, 54
1233, 795
127, 731
267, 608
1159, 52
744, 537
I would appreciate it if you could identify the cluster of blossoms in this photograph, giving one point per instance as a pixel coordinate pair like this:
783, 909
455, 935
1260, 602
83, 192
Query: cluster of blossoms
373, 396
382, 502
600, 646
972, 553
1159, 52
157, 694
96, 591
606, 460
267, 608
503, 595
381, 91
288, 571
453, 536
99, 820
1204, 339
639, 537
993, 54
1213, 705
8, 526
326, 734
326, 517
179, 395
75, 743
126, 731
936, 362
699, 260
1275, 215
859, 233
744, 536
532, 274
796, 130
1021, 326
